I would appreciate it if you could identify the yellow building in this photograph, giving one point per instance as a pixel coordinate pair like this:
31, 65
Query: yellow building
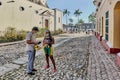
108, 23
24, 14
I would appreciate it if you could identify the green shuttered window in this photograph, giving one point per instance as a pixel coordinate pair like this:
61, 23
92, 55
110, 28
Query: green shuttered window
107, 26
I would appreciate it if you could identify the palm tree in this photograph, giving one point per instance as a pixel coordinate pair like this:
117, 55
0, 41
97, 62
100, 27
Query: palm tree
77, 13
92, 18
66, 13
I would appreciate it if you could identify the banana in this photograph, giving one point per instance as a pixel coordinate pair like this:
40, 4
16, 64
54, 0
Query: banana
37, 47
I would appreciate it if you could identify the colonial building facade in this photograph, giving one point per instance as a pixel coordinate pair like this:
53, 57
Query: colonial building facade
108, 23
24, 14
86, 26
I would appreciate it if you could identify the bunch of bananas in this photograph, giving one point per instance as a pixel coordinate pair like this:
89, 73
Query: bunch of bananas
37, 47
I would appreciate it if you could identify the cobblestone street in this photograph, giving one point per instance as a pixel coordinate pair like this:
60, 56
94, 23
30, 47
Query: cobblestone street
77, 58
59, 40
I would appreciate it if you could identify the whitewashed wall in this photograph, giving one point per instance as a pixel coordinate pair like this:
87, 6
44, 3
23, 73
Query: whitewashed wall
11, 16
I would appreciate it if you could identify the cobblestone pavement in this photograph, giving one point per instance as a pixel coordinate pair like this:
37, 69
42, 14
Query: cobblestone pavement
71, 61
79, 58
102, 65
12, 52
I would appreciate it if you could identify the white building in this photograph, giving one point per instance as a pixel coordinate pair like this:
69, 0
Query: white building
24, 14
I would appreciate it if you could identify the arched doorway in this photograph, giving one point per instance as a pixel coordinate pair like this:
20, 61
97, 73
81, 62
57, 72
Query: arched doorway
117, 25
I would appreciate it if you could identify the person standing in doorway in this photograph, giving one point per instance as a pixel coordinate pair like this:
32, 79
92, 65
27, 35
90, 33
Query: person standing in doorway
31, 42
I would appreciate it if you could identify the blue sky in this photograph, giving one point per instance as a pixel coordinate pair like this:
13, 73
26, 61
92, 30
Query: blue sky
86, 6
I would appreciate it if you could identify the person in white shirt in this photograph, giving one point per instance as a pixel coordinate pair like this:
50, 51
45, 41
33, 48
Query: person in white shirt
31, 42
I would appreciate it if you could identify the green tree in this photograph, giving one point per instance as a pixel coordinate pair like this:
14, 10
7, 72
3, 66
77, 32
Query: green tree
77, 13
81, 21
66, 13
92, 18
71, 21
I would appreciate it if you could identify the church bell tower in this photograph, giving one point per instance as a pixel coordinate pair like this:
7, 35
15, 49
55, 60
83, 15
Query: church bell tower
40, 2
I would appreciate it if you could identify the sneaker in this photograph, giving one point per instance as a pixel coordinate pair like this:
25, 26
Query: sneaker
55, 70
34, 70
31, 73
46, 67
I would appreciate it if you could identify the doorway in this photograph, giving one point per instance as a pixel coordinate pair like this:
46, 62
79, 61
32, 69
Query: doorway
46, 23
117, 25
